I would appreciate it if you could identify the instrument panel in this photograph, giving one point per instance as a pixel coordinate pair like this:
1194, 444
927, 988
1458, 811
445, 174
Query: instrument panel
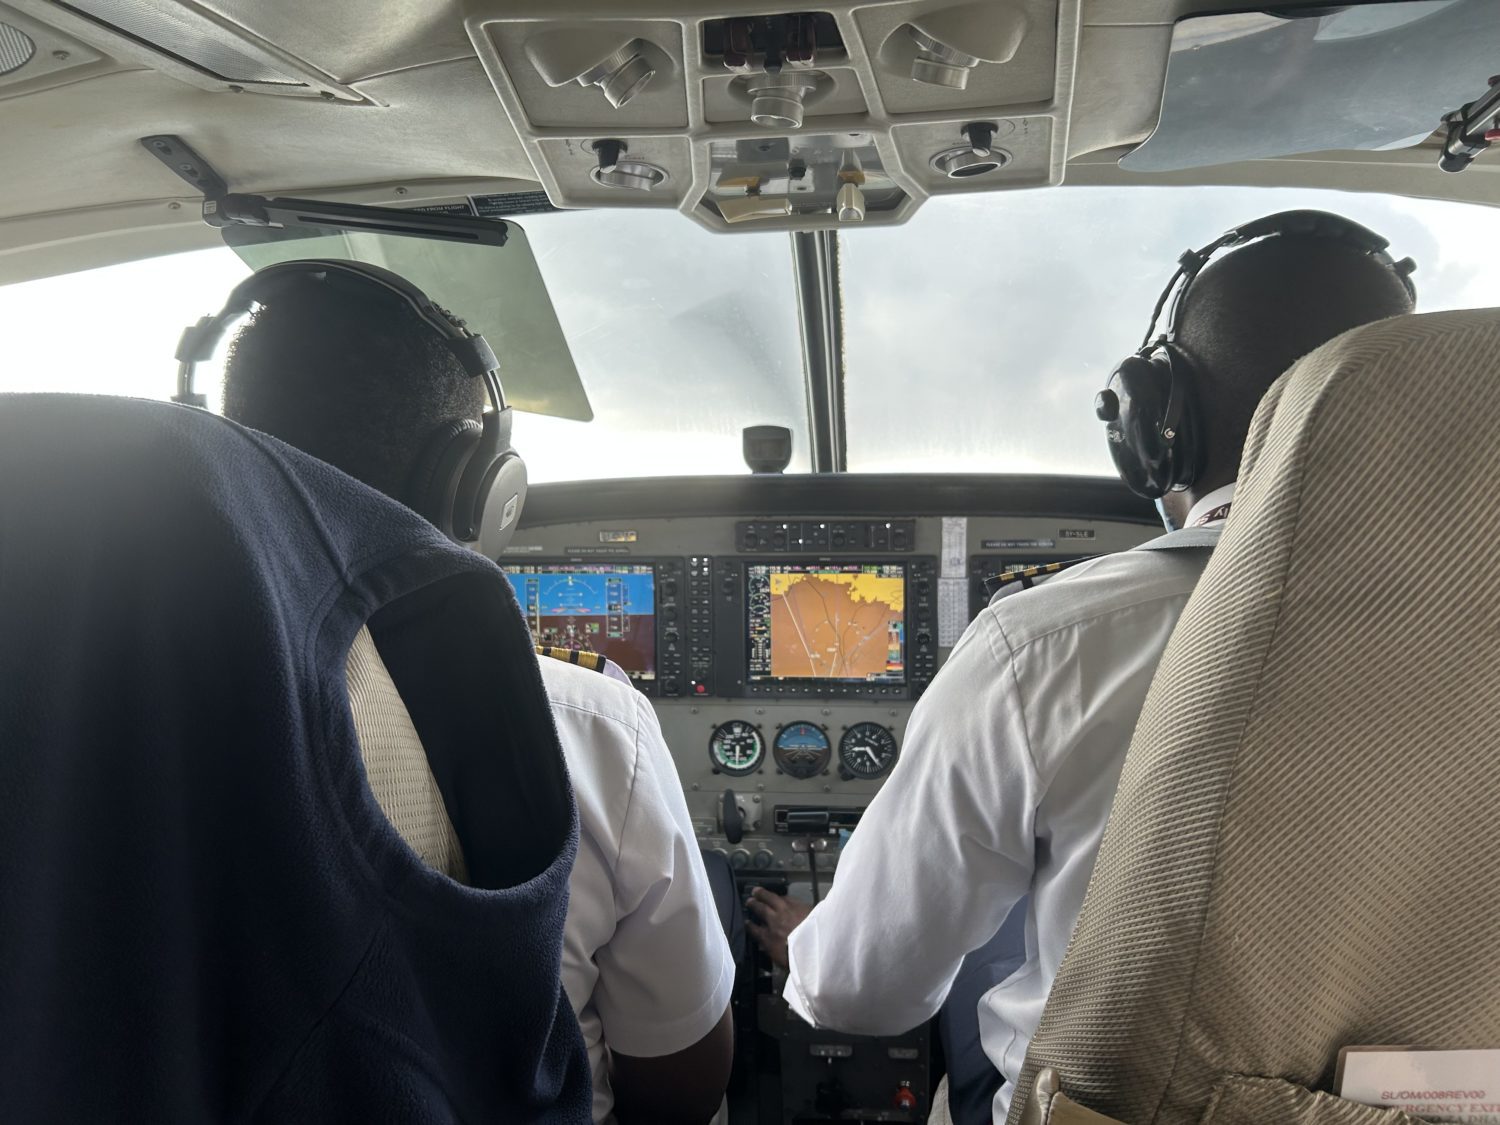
784, 642
784, 628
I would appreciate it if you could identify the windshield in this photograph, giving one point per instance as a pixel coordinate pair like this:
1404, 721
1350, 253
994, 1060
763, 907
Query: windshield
977, 334
683, 338
974, 336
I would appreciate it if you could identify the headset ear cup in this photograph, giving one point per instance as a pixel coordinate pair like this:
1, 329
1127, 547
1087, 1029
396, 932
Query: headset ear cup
503, 496
1142, 386
1187, 448
438, 470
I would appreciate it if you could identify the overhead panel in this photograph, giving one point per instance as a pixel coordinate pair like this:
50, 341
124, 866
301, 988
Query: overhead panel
764, 117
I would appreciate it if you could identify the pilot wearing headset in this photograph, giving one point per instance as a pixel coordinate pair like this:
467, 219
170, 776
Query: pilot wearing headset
1013, 754
353, 364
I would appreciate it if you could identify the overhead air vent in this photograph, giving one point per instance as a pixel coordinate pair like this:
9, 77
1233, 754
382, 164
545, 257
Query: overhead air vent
192, 43
16, 48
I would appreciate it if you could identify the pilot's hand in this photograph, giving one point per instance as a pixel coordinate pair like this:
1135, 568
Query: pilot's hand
772, 919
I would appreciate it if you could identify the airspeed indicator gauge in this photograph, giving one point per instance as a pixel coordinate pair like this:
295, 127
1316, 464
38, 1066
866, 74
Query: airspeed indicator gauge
736, 748
867, 750
803, 750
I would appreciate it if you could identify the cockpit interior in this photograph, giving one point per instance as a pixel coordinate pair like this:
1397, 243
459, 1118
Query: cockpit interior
800, 318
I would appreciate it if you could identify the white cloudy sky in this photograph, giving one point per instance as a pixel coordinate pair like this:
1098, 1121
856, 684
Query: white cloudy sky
975, 335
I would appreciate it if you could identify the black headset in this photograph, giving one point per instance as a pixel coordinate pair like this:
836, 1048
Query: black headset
467, 480
1149, 407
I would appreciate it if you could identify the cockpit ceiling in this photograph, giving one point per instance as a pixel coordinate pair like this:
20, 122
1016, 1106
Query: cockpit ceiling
388, 93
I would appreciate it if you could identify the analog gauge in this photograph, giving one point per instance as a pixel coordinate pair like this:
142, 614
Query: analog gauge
803, 750
867, 750
736, 748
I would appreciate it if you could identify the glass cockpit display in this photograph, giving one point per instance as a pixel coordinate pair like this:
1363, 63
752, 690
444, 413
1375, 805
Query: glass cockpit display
608, 608
827, 622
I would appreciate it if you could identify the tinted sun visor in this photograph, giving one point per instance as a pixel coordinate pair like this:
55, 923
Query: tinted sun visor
1252, 85
498, 290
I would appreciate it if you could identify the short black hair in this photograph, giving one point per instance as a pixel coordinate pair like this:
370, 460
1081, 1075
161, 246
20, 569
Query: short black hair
1253, 313
348, 373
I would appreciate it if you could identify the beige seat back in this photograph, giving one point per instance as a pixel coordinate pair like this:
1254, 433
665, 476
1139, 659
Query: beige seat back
395, 762
1304, 852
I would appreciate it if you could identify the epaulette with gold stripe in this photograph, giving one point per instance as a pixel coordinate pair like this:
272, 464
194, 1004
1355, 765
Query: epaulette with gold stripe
590, 660
1027, 575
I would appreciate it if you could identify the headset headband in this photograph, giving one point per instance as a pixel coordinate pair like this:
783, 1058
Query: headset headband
1152, 439
1320, 224
200, 340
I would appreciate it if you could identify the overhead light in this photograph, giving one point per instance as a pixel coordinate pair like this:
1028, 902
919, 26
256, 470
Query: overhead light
938, 64
976, 158
950, 43
962, 162
621, 76
777, 100
638, 174
608, 57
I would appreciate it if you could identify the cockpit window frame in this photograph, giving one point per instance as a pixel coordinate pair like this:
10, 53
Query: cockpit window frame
820, 318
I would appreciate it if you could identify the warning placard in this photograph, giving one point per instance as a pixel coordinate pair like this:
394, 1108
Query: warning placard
1433, 1085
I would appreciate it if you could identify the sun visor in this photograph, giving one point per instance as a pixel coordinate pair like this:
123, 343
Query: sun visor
1252, 85
498, 290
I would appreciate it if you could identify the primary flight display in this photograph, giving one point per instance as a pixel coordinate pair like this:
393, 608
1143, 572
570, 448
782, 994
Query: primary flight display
608, 608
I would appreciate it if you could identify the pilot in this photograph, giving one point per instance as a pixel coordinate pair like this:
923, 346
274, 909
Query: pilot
1013, 754
354, 378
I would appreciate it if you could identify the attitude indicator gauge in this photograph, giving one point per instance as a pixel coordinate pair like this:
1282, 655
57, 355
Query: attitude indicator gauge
867, 750
736, 748
803, 750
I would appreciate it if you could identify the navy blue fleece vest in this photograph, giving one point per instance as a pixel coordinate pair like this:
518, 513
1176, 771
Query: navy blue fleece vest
204, 916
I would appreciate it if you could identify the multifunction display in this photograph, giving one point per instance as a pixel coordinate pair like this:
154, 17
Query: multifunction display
826, 622
608, 608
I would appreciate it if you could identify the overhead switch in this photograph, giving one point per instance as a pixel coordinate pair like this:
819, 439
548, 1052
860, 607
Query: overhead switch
850, 204
746, 207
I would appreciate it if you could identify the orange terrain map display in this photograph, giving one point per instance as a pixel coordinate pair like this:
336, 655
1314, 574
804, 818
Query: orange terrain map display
828, 623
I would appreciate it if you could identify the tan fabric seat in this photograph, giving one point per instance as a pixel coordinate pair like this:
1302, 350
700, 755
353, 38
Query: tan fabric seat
1304, 852
396, 764
939, 1114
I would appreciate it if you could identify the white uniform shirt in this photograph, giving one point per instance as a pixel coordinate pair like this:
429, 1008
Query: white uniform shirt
1003, 787
645, 961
